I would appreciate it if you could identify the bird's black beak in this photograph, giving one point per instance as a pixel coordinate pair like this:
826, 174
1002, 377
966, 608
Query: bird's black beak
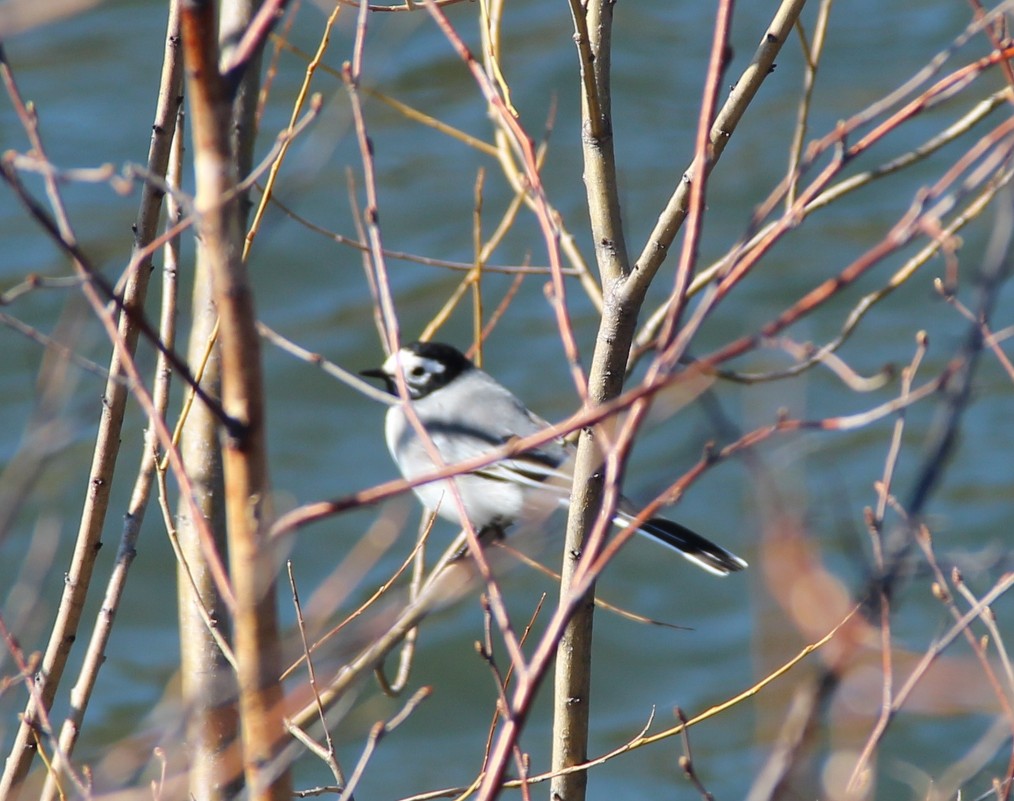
376, 372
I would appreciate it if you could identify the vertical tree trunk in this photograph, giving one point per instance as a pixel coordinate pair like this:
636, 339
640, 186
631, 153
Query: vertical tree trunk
247, 490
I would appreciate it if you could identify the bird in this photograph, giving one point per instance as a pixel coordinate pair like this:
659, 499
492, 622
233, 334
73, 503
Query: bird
466, 413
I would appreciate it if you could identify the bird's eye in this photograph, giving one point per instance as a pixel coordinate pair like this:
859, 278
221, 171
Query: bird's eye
417, 372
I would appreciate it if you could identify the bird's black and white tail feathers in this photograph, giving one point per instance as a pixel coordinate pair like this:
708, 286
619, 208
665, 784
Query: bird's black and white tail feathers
690, 545
543, 472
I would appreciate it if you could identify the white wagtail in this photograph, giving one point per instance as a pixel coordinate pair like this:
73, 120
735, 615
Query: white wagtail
466, 413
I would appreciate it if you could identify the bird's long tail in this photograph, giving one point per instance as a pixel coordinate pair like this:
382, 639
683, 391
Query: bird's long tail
691, 545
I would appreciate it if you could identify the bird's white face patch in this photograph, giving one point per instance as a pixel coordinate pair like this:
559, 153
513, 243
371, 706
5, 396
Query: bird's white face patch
412, 364
419, 371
